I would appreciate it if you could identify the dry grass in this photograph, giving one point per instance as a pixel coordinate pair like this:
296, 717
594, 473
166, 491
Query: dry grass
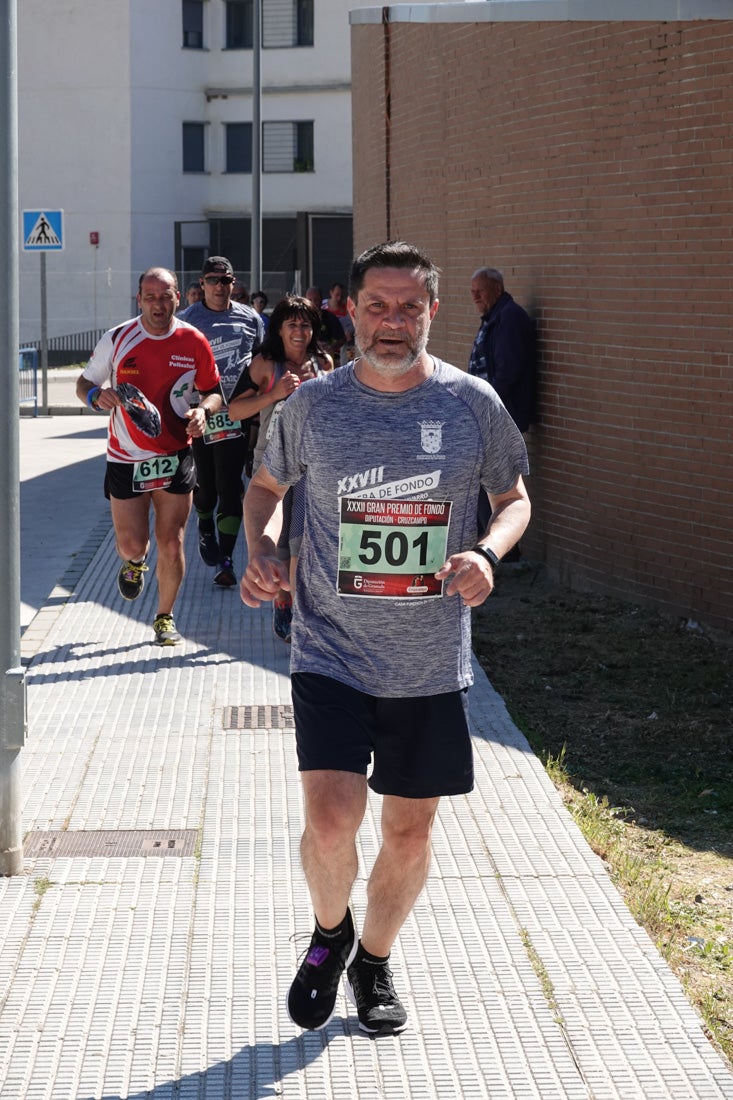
633, 717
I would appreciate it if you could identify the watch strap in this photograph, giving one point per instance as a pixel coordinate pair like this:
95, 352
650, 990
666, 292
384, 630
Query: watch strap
485, 552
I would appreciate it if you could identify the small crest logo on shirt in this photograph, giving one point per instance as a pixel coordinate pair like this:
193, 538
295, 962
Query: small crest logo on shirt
431, 436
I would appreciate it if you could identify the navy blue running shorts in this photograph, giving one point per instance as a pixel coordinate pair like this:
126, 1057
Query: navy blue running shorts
118, 478
421, 746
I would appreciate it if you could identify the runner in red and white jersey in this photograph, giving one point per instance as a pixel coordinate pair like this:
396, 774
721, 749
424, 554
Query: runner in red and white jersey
166, 370
144, 373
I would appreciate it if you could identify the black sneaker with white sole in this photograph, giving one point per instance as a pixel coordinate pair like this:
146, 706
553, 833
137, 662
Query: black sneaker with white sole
312, 996
370, 989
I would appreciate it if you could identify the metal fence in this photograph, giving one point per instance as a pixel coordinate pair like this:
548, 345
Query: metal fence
28, 375
65, 351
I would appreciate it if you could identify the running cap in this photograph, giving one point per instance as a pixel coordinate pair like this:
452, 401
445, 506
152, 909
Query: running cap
217, 263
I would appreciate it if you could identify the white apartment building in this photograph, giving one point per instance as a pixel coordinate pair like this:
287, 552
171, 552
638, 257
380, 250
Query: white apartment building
135, 119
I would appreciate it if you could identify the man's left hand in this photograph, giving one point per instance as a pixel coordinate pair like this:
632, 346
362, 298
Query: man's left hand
196, 421
472, 580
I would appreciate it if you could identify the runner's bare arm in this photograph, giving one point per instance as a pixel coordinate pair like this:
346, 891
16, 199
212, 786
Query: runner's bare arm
210, 402
473, 577
510, 515
265, 573
103, 399
250, 402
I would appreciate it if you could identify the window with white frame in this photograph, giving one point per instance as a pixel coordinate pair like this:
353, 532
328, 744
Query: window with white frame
238, 147
194, 146
238, 25
284, 23
287, 23
192, 17
287, 147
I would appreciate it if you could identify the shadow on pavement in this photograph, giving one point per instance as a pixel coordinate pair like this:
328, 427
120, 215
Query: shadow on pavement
256, 1071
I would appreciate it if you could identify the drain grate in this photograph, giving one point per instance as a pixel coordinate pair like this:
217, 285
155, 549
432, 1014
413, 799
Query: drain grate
112, 843
265, 717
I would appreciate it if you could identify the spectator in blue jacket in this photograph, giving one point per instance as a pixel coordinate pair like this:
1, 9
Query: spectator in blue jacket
504, 351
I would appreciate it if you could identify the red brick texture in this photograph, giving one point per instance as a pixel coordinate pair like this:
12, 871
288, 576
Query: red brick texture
592, 163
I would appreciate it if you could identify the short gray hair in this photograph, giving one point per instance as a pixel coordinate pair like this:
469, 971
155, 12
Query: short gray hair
492, 273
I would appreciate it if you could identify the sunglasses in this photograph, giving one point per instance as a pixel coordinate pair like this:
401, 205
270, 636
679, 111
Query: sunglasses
218, 280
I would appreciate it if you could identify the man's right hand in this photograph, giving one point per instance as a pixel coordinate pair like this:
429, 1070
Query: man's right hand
263, 578
107, 399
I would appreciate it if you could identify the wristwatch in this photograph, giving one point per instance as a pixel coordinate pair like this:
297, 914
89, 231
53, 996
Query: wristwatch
486, 553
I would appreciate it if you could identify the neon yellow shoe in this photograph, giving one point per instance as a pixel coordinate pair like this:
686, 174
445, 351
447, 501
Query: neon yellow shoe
130, 579
165, 631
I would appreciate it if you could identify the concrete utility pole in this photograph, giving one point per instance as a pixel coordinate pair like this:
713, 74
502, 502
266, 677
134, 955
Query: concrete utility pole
255, 276
12, 677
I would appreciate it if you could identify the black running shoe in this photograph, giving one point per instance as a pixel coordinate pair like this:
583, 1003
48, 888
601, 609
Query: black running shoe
369, 986
225, 577
208, 547
165, 631
312, 997
130, 579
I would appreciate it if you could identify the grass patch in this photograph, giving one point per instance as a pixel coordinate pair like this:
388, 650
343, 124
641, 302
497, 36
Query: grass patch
543, 977
632, 716
41, 886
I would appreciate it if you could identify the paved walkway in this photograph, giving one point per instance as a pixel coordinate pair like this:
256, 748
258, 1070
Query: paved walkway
148, 947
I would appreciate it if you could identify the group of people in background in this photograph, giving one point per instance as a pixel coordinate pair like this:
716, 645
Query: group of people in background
259, 361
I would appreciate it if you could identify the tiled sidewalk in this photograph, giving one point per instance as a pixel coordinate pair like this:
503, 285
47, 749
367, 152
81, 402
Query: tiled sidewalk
160, 971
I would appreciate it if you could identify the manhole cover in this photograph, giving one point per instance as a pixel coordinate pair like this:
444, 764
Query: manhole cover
265, 717
112, 843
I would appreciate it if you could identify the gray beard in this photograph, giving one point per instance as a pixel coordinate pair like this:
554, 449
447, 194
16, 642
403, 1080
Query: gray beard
391, 368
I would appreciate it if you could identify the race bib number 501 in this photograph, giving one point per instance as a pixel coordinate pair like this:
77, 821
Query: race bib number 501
390, 549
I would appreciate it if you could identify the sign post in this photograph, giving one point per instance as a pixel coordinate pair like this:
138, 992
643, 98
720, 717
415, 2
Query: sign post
94, 242
12, 675
43, 231
255, 265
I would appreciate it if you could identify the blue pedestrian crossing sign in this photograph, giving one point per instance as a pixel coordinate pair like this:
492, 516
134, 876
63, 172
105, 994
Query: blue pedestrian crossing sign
43, 230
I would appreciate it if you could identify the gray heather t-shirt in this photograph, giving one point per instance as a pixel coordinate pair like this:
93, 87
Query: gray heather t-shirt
392, 485
233, 334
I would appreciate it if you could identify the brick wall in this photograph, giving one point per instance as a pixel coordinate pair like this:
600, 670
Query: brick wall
591, 162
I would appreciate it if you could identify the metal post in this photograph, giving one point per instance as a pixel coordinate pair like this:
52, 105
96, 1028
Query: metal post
94, 283
256, 223
44, 337
12, 681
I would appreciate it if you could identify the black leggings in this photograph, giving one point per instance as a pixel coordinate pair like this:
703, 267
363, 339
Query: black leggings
219, 476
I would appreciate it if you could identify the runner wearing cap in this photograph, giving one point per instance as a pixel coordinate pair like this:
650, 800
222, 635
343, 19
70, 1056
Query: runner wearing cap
234, 330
